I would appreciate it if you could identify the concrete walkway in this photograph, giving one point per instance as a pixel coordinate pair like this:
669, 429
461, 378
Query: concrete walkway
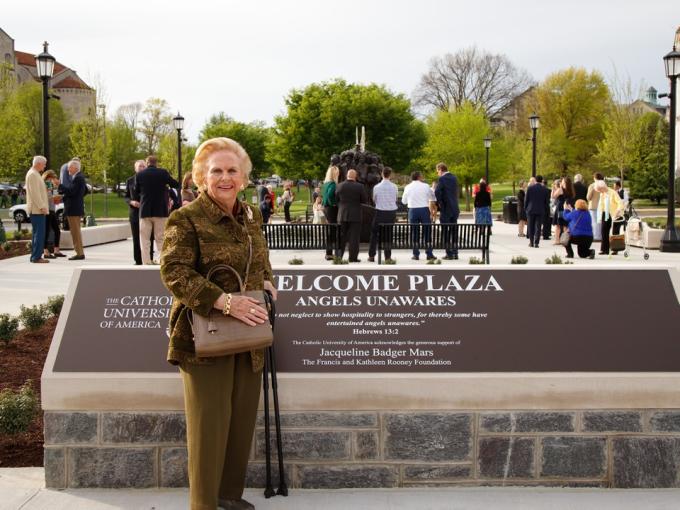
23, 489
25, 283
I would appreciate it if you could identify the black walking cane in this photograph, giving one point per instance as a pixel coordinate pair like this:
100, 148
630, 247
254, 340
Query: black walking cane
268, 489
270, 368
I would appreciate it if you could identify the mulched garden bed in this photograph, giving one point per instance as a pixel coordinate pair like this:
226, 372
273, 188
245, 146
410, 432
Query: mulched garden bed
16, 249
23, 359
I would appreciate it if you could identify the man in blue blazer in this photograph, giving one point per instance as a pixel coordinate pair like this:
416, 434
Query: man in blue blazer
151, 191
446, 193
537, 207
74, 190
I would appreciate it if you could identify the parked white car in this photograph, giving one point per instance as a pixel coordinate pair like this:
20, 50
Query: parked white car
19, 212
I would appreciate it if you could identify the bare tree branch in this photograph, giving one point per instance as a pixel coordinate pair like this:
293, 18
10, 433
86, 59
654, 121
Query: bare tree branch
488, 81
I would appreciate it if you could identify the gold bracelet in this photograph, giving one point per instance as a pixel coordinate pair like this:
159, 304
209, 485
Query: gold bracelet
227, 305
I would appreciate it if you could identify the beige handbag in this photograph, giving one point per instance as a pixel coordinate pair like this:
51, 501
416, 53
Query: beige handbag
222, 335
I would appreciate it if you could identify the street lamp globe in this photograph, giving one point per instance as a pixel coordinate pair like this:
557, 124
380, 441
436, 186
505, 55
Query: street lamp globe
178, 122
487, 142
533, 121
672, 63
45, 63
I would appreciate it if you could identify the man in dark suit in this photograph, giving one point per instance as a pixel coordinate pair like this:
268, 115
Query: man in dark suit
74, 190
537, 207
446, 193
133, 213
150, 190
350, 195
580, 190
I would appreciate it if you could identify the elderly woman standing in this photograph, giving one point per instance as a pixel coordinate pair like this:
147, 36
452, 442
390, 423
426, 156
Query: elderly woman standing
609, 208
221, 394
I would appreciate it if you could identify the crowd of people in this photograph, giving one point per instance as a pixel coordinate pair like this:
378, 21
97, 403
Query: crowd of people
12, 197
152, 194
580, 215
44, 190
341, 203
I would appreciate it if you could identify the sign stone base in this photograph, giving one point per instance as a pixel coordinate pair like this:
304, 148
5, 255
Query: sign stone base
603, 411
330, 450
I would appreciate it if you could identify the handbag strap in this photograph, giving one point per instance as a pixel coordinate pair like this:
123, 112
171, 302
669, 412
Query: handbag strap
224, 267
576, 224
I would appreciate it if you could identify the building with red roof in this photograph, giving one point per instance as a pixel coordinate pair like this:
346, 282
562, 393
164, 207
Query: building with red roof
77, 97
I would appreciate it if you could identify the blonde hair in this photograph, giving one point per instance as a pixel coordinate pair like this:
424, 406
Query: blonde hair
199, 167
187, 181
332, 174
49, 174
581, 205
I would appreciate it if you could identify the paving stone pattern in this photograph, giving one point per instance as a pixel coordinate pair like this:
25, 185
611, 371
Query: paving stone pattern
574, 448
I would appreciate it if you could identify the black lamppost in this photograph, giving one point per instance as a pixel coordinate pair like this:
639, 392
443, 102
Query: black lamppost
670, 242
45, 63
102, 108
533, 122
178, 122
487, 146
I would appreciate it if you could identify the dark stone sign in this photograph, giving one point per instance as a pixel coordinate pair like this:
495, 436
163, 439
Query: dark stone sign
117, 322
405, 320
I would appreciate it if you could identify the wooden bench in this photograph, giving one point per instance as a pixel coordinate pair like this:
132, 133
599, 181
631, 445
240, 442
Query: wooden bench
438, 236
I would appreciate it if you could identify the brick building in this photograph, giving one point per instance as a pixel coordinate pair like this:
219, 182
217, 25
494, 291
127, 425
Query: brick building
76, 96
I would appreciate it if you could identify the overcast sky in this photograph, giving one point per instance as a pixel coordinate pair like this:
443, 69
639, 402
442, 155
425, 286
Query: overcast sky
243, 57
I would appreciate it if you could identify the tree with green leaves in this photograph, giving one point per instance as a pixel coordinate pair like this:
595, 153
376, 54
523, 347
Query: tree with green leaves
21, 129
617, 149
89, 144
253, 136
29, 96
321, 120
156, 121
573, 106
17, 141
510, 158
167, 154
649, 178
123, 149
456, 138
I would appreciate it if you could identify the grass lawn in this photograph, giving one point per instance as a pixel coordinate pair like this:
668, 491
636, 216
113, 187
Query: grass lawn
659, 222
117, 208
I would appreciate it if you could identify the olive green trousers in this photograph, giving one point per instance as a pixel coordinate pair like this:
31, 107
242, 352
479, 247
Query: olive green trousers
220, 400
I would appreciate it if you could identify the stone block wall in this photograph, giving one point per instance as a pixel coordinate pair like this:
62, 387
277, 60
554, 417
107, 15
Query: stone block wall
593, 448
